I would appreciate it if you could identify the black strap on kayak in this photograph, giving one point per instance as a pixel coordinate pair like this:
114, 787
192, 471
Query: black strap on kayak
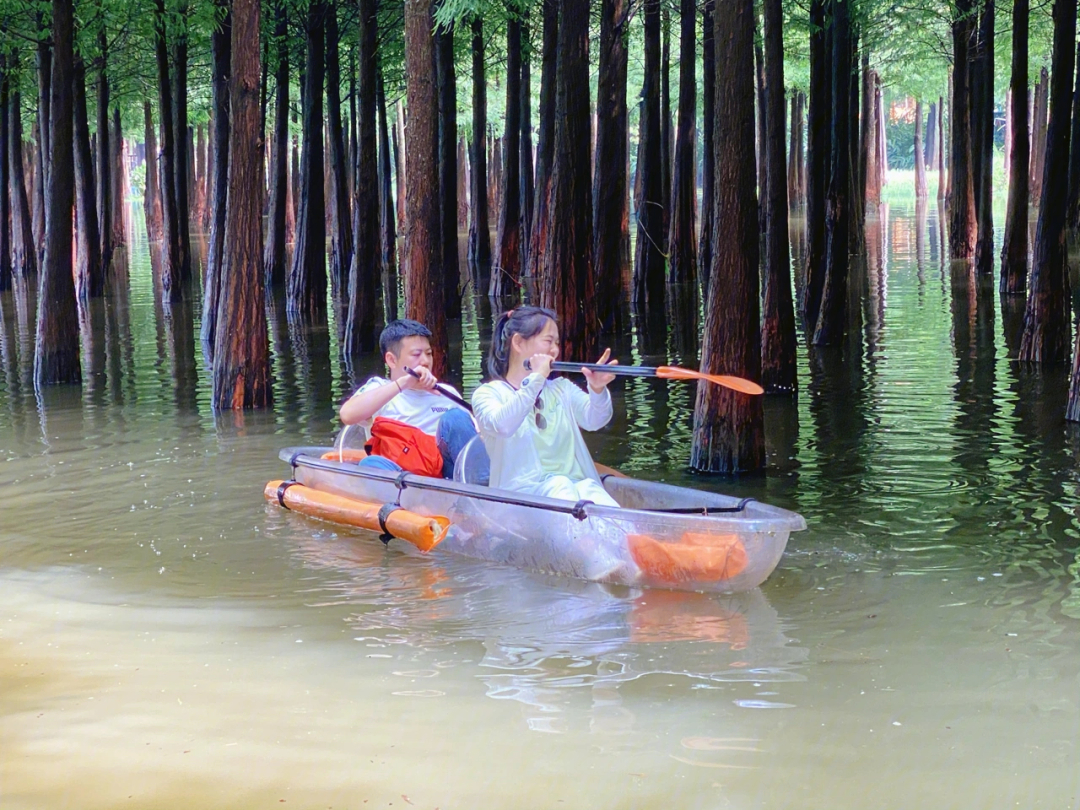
283, 488
292, 462
707, 510
384, 512
579, 510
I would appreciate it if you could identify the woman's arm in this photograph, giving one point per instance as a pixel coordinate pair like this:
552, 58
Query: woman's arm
592, 410
501, 410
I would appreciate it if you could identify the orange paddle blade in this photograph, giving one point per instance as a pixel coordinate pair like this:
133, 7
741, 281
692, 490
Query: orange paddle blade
734, 383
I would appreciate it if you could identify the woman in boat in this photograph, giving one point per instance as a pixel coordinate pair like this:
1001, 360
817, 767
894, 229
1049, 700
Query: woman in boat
531, 424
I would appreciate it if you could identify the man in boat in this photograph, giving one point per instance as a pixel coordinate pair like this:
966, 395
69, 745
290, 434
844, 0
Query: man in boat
412, 425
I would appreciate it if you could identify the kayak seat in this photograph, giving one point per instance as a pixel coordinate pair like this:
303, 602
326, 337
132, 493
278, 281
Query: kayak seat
473, 465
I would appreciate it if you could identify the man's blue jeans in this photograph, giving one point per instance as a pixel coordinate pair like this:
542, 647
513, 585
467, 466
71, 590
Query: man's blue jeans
455, 430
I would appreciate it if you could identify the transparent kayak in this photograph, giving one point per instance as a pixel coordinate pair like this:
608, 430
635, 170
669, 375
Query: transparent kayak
663, 536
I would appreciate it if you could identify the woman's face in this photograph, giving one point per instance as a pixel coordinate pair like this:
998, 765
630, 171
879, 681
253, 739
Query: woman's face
546, 341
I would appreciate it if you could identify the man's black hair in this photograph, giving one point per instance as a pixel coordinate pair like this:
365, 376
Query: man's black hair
397, 331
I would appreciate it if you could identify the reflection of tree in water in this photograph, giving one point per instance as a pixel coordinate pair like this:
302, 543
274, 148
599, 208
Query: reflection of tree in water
567, 650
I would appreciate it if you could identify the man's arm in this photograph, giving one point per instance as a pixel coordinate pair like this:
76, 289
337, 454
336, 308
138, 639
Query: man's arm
361, 406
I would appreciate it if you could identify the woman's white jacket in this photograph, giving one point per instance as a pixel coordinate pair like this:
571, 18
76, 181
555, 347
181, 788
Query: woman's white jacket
507, 426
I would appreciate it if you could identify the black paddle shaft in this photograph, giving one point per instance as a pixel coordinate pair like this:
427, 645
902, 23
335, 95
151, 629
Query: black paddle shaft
622, 371
450, 395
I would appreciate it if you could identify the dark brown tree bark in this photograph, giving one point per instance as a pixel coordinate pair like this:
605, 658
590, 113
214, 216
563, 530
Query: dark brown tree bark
682, 250
817, 162
526, 151
778, 330
1038, 135
962, 216
648, 280
545, 141
44, 131
152, 192
24, 252
198, 204
364, 272
242, 352
567, 284
759, 131
56, 349
708, 152
507, 278
918, 152
399, 161
800, 148
274, 257
89, 273
1073, 221
119, 179
221, 54
181, 155
1014, 250
447, 91
387, 226
341, 239
1046, 319
729, 431
294, 174
479, 229
171, 276
793, 136
609, 202
832, 315
930, 150
869, 170
423, 272
5, 207
307, 275
941, 150
104, 173
665, 122
982, 138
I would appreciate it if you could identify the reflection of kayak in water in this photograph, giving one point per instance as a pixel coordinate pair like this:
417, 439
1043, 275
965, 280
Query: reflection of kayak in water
663, 537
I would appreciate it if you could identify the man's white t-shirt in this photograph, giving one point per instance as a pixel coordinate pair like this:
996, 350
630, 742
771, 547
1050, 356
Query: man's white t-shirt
413, 406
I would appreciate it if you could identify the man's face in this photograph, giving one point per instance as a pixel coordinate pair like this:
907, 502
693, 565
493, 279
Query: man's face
414, 352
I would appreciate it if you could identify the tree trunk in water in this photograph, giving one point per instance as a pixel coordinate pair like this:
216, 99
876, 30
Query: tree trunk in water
104, 178
44, 66
729, 433
648, 284
307, 275
152, 191
341, 244
5, 208
793, 137
1074, 154
665, 123
759, 132
1046, 318
294, 177
869, 168
424, 281
181, 163
567, 284
448, 229
682, 252
199, 204
800, 153
399, 161
708, 151
778, 371
545, 141
56, 350
941, 149
609, 200
506, 277
221, 51
962, 215
387, 226
364, 272
818, 141
274, 258
930, 150
1015, 248
920, 167
832, 315
1038, 135
171, 277
119, 179
479, 232
89, 274
526, 147
982, 140
24, 252
242, 356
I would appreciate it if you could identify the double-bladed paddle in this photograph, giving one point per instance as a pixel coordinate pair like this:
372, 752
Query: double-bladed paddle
663, 372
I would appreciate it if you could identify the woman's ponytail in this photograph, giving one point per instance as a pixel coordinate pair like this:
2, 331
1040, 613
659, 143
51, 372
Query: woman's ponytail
525, 321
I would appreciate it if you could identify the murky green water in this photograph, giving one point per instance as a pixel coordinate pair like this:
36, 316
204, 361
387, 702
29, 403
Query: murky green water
167, 640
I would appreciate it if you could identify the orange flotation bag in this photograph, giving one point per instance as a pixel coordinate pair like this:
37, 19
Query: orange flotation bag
698, 557
422, 531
